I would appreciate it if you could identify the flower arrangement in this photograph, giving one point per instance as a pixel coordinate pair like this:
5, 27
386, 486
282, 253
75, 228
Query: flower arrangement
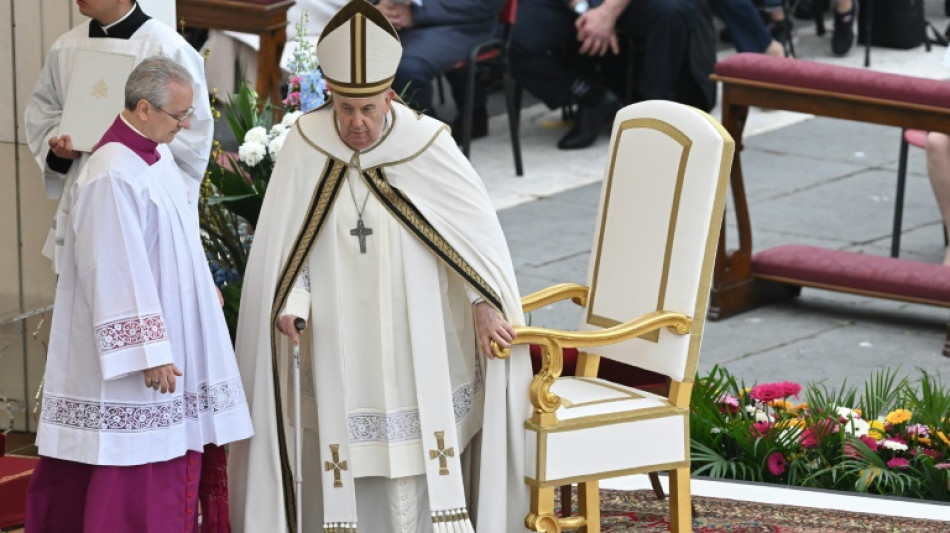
893, 439
235, 183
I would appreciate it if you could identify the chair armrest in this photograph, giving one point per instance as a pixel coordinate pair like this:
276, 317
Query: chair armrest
555, 293
553, 341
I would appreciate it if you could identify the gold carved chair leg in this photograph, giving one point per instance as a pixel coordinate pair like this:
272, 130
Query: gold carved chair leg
588, 505
681, 520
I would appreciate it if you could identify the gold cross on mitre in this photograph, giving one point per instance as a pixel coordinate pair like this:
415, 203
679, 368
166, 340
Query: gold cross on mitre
336, 465
441, 453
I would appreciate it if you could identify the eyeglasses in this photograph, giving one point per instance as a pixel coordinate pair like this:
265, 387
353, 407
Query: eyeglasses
180, 118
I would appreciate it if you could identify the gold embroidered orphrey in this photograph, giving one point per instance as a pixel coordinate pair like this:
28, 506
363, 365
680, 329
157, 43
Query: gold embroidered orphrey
441, 453
336, 465
100, 89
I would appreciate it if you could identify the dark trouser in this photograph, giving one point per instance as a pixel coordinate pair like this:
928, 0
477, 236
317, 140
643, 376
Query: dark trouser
414, 83
546, 62
742, 18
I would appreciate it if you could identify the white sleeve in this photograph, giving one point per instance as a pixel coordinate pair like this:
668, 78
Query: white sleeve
473, 295
298, 301
192, 147
115, 277
42, 116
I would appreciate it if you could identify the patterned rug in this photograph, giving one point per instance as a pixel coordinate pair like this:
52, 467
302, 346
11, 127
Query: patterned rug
640, 512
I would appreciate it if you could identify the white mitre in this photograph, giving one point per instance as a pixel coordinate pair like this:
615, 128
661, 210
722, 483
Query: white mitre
359, 51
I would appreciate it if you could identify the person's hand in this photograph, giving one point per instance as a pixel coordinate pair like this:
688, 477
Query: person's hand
596, 31
285, 323
62, 147
162, 377
220, 296
491, 326
398, 13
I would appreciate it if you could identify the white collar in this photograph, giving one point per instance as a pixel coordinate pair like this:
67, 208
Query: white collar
106, 28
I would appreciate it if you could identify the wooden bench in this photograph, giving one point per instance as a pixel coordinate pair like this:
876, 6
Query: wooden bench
742, 280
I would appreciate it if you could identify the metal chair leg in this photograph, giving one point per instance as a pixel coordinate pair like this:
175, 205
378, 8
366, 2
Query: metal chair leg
899, 198
512, 101
468, 112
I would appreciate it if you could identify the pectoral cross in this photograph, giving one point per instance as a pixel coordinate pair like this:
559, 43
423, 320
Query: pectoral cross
360, 232
441, 453
336, 465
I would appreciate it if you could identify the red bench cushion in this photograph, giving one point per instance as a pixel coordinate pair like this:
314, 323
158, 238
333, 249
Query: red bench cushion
872, 273
834, 78
15, 474
610, 370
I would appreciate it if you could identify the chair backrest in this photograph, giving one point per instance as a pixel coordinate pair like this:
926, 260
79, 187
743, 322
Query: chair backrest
508, 13
657, 230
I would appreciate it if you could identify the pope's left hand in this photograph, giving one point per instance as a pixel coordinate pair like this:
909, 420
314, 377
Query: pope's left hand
491, 326
399, 14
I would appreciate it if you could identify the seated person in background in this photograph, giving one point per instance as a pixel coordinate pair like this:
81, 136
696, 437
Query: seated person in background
745, 25
435, 35
938, 169
558, 47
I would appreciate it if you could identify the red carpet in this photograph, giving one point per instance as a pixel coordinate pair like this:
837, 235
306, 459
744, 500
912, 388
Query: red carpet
14, 476
640, 512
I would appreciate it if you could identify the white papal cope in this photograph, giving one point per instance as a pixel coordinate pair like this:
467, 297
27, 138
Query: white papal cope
374, 315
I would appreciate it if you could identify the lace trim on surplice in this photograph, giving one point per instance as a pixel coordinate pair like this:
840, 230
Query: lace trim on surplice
127, 417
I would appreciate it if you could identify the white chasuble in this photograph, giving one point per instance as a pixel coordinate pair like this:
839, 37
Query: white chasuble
190, 148
400, 388
135, 292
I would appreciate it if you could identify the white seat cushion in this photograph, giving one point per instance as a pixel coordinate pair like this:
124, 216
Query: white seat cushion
605, 430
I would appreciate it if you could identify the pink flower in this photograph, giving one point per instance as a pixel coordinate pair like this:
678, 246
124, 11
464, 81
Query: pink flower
729, 404
790, 389
759, 429
294, 80
898, 462
870, 442
777, 463
942, 466
767, 392
808, 438
918, 429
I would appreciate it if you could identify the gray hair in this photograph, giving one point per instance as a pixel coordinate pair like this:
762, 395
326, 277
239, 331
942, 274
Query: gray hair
149, 81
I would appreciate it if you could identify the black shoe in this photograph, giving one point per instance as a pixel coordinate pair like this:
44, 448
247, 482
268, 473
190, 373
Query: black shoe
589, 122
781, 31
479, 125
842, 37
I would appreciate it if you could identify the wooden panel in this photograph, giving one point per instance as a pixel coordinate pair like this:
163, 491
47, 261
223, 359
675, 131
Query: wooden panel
27, 39
7, 114
36, 213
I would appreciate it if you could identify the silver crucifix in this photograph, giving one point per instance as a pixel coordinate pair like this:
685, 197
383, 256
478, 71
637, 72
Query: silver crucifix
360, 232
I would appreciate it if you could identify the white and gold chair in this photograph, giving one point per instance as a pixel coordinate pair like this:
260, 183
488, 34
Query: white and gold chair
645, 304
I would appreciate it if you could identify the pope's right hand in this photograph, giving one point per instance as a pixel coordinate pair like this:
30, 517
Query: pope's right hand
285, 323
62, 147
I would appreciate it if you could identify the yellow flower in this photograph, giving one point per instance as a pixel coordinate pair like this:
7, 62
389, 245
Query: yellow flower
898, 416
857, 412
781, 404
924, 440
797, 408
943, 437
876, 429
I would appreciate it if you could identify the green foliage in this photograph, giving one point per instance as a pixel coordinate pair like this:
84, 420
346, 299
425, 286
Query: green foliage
890, 440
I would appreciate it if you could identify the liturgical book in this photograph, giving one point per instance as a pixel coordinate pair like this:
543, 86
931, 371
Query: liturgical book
96, 95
